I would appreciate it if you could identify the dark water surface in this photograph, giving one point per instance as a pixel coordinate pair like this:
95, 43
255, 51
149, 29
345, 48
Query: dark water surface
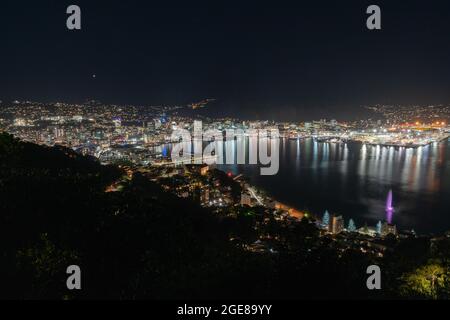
354, 179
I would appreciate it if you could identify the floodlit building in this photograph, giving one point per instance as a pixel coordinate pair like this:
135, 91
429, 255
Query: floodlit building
337, 224
387, 229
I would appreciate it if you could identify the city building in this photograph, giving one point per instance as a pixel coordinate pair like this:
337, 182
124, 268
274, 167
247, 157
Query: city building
337, 224
387, 229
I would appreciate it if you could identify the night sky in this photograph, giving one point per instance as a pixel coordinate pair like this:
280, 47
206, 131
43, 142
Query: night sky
277, 60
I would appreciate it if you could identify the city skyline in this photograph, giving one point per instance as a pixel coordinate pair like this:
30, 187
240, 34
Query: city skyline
178, 151
404, 138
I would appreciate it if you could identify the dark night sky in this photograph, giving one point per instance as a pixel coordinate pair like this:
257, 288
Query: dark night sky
276, 60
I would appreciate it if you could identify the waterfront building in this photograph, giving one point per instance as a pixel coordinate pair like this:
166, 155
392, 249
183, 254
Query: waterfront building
387, 229
326, 220
337, 224
351, 226
379, 226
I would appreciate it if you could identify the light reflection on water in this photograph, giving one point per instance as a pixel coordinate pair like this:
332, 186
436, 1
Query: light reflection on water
353, 180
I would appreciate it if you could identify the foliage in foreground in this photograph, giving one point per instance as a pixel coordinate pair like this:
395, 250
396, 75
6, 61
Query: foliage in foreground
142, 242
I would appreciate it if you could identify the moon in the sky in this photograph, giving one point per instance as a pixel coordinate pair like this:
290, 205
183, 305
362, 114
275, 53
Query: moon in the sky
94, 76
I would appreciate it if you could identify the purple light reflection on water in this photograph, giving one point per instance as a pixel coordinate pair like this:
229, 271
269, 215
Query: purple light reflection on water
389, 208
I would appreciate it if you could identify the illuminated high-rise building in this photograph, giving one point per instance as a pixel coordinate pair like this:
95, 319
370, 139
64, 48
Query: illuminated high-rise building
379, 227
387, 229
351, 226
337, 224
326, 220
